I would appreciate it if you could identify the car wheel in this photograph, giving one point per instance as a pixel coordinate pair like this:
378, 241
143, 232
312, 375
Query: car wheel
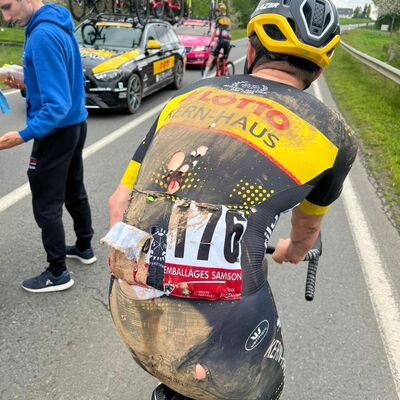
133, 94
178, 75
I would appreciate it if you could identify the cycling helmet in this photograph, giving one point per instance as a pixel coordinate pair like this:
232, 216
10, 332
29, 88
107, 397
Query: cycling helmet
221, 7
307, 29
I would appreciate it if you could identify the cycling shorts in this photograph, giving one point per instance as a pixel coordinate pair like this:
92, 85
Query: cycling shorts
221, 44
238, 343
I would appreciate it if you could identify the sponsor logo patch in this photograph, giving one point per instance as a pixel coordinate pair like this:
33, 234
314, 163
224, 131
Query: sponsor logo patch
257, 336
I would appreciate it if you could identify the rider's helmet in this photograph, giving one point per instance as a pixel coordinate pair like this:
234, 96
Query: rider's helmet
221, 7
307, 29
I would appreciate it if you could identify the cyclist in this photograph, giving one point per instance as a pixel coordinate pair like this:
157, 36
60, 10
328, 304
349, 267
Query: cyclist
203, 194
222, 28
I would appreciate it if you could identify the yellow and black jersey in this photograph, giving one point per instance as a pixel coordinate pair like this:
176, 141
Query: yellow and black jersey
223, 27
223, 160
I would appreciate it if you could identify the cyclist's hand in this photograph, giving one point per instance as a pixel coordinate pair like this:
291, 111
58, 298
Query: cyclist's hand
285, 251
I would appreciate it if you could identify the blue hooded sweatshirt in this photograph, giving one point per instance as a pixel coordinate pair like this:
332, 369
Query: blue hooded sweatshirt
55, 93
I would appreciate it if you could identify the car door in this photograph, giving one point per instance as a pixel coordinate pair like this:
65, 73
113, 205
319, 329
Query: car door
164, 66
151, 56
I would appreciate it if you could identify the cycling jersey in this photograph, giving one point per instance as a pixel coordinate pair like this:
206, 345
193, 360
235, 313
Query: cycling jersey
224, 159
223, 26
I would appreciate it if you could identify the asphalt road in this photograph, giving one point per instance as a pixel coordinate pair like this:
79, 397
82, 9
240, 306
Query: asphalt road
63, 346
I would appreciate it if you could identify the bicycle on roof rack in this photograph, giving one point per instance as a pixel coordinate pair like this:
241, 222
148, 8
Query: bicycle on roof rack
125, 8
172, 11
83, 8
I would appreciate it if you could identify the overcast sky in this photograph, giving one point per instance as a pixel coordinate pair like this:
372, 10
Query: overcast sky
351, 3
354, 3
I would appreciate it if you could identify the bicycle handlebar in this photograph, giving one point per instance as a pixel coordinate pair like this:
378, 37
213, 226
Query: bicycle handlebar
312, 257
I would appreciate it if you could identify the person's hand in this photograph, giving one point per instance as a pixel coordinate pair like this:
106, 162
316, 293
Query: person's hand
285, 251
14, 82
10, 139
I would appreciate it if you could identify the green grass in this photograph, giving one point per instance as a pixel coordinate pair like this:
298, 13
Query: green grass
371, 106
10, 55
351, 21
238, 34
376, 44
12, 35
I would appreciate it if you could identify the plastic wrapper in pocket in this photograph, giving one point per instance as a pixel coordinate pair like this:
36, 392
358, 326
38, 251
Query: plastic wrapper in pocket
126, 239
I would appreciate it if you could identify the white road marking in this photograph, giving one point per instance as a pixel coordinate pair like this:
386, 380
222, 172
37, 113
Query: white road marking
376, 276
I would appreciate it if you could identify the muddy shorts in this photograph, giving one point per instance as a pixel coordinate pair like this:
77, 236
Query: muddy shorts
238, 343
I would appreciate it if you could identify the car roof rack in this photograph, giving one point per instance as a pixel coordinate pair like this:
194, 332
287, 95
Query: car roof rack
112, 17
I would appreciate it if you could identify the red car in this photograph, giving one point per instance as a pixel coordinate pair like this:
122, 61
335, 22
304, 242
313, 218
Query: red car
195, 35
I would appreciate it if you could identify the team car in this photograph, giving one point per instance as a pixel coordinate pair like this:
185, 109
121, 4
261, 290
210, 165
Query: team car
195, 35
124, 61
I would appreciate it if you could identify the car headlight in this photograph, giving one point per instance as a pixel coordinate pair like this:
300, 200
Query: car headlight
200, 48
108, 75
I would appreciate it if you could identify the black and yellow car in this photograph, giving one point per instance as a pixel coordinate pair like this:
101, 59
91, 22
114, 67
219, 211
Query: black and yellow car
124, 61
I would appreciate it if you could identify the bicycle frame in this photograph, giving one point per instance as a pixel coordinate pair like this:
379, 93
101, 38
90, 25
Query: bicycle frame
221, 65
173, 5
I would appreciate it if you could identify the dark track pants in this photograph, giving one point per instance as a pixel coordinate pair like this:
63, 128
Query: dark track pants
56, 178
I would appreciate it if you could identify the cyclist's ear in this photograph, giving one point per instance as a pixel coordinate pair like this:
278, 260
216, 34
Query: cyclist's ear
250, 56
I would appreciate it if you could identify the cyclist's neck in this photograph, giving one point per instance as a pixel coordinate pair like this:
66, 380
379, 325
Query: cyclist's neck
278, 75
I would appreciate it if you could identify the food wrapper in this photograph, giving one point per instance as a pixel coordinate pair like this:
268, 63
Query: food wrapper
11, 71
126, 239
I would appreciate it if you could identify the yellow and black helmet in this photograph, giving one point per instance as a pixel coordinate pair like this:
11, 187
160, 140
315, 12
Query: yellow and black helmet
221, 7
307, 29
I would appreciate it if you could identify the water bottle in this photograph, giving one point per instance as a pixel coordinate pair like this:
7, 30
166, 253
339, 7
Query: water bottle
4, 107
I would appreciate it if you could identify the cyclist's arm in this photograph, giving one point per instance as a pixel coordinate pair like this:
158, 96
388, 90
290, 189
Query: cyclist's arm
307, 216
118, 201
304, 233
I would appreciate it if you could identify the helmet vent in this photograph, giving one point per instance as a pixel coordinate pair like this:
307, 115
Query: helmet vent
319, 14
274, 32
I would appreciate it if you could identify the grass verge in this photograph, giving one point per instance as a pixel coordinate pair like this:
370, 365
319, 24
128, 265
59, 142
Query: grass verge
10, 55
238, 34
354, 21
15, 34
378, 44
371, 103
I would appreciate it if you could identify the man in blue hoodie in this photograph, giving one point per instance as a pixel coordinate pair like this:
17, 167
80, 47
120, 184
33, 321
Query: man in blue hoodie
56, 121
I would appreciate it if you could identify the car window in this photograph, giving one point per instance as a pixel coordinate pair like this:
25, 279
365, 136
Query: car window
162, 33
151, 33
193, 30
109, 37
173, 36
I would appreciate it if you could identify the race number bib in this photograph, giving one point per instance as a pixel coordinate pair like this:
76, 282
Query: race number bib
203, 251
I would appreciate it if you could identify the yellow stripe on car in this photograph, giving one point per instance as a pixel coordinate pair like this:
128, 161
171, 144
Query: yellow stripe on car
103, 53
121, 24
116, 62
163, 65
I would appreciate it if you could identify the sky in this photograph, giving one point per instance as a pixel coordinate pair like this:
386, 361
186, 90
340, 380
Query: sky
354, 3
351, 3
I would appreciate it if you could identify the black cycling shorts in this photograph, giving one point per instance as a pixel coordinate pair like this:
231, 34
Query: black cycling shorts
221, 44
